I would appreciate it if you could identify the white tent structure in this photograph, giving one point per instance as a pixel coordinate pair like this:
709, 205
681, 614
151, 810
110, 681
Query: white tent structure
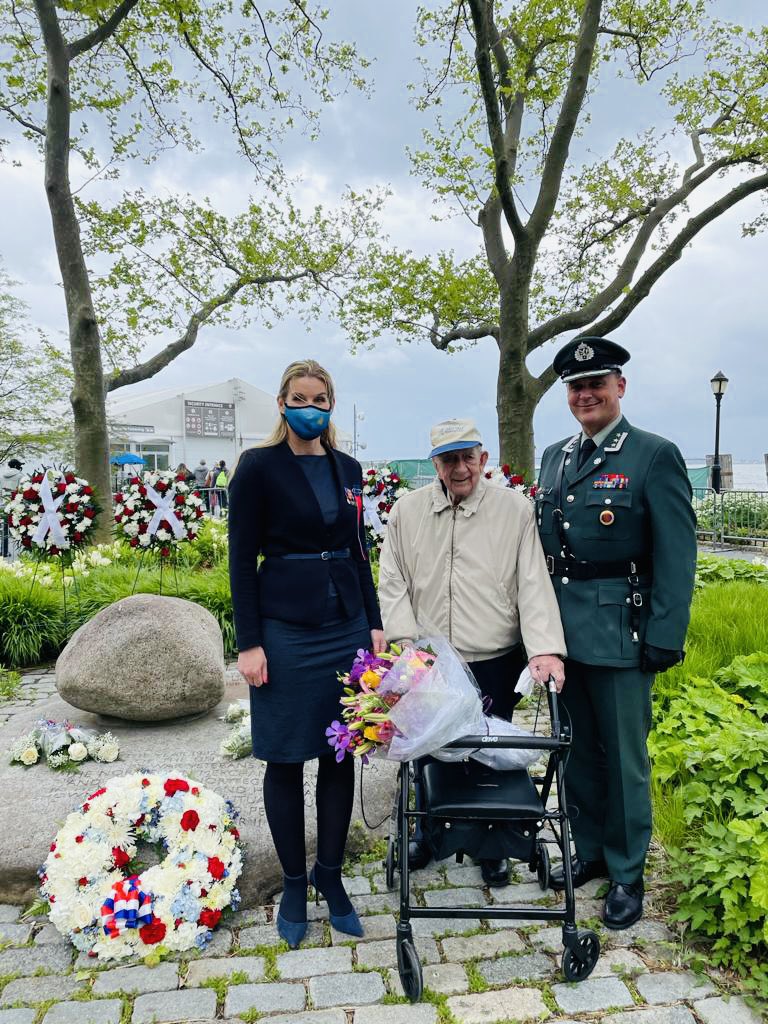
213, 422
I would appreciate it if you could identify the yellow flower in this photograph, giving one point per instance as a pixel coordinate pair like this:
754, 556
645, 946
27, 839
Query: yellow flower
371, 679
372, 733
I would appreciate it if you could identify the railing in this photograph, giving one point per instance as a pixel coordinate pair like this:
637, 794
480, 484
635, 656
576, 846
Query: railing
731, 518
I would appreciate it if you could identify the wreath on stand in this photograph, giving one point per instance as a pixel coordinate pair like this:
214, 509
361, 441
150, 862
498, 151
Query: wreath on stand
157, 512
52, 513
92, 881
381, 489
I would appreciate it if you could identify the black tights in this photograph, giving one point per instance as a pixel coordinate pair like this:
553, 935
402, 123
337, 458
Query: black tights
284, 807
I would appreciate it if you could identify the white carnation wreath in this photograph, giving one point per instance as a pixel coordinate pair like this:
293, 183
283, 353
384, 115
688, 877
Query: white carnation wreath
110, 910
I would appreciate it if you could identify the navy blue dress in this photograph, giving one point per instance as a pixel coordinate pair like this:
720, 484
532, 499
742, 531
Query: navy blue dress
289, 715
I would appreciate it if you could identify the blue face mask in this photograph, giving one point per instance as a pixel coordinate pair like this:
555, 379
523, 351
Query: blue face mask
307, 420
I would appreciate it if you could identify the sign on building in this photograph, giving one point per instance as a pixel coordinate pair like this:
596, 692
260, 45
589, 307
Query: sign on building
209, 419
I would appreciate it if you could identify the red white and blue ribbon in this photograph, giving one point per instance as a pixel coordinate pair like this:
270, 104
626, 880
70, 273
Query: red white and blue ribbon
127, 907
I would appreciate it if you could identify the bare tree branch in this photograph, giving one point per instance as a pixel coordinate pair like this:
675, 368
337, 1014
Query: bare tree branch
147, 369
578, 318
674, 251
22, 121
567, 120
482, 17
103, 32
696, 141
441, 340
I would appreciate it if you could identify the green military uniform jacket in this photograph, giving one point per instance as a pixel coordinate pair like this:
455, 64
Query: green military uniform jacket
630, 500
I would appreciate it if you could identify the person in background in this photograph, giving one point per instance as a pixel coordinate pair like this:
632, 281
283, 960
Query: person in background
462, 557
617, 525
201, 478
300, 617
222, 482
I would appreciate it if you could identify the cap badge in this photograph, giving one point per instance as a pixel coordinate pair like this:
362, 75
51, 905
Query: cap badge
583, 352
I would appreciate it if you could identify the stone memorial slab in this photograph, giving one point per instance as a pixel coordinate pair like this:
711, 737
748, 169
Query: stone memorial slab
31, 813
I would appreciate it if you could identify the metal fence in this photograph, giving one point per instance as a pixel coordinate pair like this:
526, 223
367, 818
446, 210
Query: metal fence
732, 518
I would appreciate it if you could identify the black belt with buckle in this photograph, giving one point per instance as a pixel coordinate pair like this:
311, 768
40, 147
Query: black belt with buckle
576, 569
324, 555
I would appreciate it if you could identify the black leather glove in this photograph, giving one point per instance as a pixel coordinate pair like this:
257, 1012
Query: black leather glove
659, 659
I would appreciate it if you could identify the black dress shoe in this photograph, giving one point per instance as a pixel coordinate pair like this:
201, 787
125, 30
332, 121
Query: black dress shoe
419, 854
623, 905
495, 872
581, 871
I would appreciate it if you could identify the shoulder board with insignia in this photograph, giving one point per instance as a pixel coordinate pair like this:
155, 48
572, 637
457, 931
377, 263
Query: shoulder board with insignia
616, 442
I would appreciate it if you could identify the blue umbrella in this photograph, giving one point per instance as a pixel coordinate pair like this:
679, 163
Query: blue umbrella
127, 459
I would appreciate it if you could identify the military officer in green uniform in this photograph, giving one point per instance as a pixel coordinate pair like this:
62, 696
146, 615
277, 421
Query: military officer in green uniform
617, 526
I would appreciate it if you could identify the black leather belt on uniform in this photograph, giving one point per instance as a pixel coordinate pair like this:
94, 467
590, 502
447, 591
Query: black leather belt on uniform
575, 569
324, 555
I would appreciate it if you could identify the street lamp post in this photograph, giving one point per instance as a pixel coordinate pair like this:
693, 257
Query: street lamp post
719, 383
357, 417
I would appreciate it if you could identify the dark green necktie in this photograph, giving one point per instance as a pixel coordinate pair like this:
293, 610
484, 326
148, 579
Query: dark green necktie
586, 450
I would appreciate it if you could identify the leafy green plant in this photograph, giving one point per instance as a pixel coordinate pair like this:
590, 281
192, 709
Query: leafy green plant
9, 683
709, 750
712, 569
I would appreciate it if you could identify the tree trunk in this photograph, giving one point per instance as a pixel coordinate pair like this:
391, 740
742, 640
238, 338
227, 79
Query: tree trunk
517, 391
87, 396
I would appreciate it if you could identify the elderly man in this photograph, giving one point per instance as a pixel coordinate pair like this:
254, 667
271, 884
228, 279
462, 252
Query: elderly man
615, 517
462, 558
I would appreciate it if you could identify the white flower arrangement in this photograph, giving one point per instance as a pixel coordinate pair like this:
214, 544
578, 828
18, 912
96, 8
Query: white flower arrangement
238, 743
63, 746
382, 487
51, 512
109, 910
158, 510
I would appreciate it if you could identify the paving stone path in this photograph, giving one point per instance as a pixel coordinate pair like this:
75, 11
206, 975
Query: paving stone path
475, 972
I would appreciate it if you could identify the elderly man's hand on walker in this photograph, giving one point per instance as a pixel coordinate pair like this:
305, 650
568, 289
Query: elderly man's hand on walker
545, 665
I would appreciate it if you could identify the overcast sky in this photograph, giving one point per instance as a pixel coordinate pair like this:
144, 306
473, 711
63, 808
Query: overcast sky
709, 313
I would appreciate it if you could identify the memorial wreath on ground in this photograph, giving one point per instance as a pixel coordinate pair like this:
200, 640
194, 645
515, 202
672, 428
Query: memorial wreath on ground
100, 898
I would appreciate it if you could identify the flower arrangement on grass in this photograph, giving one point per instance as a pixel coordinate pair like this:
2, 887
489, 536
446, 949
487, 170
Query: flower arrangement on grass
159, 510
503, 476
381, 489
99, 897
63, 745
372, 687
52, 512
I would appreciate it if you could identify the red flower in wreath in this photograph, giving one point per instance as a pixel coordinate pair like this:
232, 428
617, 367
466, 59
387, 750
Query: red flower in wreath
190, 820
216, 867
210, 918
172, 786
152, 933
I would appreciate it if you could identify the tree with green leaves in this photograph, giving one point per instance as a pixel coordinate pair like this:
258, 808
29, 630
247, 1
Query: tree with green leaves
98, 84
32, 385
574, 231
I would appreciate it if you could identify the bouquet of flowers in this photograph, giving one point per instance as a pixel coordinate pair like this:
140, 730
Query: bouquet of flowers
503, 476
63, 745
411, 701
238, 744
381, 489
52, 511
159, 510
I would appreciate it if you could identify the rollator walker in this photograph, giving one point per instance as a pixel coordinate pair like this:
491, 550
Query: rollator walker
489, 813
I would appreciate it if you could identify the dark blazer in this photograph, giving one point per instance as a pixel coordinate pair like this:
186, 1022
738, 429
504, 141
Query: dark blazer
652, 518
273, 511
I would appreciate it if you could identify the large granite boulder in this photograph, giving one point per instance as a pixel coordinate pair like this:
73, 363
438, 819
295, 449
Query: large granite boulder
35, 801
146, 658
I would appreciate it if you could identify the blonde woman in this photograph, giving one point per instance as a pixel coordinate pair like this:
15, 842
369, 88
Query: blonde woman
299, 620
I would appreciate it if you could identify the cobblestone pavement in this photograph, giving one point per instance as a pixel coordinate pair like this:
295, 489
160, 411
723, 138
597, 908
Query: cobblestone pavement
474, 971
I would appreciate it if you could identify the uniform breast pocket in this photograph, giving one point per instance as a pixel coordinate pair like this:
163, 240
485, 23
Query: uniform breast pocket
608, 515
545, 503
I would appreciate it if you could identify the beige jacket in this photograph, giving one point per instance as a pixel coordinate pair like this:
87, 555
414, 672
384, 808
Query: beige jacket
474, 573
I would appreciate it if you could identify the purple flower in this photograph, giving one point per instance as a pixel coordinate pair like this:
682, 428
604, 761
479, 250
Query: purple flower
338, 738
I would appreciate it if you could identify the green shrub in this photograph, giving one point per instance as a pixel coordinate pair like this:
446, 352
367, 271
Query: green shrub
713, 569
31, 627
710, 769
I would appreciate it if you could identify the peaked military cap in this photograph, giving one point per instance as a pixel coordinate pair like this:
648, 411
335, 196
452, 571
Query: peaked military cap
589, 357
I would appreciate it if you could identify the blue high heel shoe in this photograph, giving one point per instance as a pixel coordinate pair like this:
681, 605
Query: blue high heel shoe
348, 923
294, 888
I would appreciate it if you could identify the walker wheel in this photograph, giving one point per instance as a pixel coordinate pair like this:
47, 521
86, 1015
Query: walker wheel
390, 863
409, 969
542, 865
579, 962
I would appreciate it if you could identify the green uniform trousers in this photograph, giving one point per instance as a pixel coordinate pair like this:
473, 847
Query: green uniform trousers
607, 779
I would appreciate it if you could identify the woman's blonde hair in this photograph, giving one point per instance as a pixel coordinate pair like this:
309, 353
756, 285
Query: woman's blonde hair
302, 368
